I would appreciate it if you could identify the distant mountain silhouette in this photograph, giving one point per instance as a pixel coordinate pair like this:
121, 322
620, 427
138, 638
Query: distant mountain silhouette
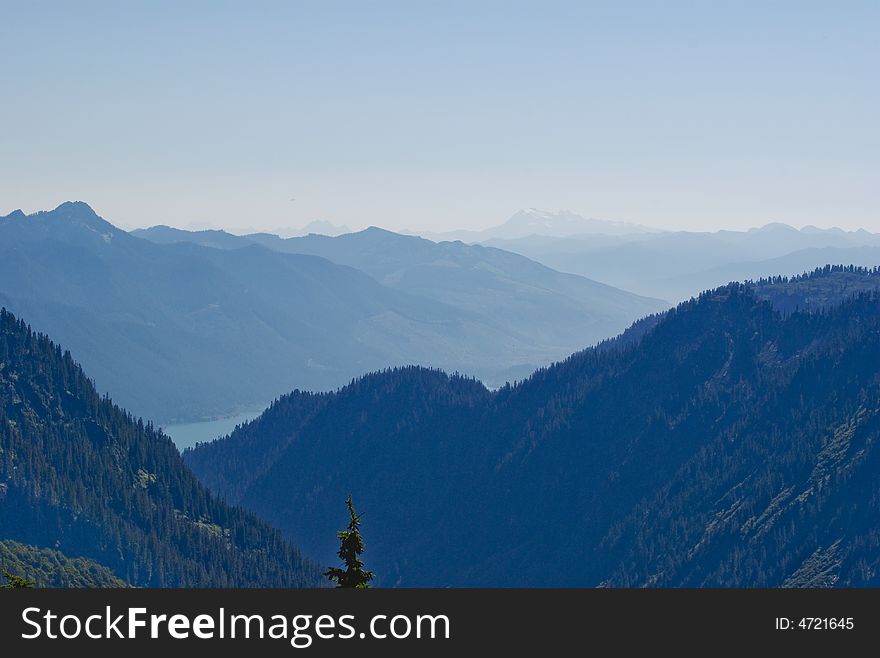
731, 441
181, 331
319, 227
803, 260
534, 222
513, 295
82, 476
677, 265
517, 296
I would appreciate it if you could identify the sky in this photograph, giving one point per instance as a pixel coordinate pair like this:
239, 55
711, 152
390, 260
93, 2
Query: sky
434, 116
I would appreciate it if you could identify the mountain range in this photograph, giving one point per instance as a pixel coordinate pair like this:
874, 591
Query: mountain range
670, 265
530, 309
185, 331
676, 265
731, 441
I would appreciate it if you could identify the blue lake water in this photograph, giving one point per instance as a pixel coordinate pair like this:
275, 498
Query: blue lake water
188, 434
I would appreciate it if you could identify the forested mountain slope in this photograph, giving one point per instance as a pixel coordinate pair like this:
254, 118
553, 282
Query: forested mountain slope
79, 474
732, 443
46, 567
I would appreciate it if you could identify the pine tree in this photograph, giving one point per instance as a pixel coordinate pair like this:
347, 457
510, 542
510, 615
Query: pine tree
352, 545
15, 582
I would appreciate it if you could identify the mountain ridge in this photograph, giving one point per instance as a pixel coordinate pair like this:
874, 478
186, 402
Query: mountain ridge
211, 332
676, 265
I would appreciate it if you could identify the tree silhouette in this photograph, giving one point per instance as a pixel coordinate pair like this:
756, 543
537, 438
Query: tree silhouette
352, 545
15, 582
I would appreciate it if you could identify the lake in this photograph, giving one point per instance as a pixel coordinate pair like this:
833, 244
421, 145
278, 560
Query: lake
188, 434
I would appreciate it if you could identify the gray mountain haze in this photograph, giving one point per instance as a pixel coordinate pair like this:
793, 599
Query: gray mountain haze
802, 260
497, 285
534, 222
319, 226
184, 331
677, 265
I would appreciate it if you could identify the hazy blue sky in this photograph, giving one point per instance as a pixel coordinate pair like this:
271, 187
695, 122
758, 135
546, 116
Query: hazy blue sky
439, 115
